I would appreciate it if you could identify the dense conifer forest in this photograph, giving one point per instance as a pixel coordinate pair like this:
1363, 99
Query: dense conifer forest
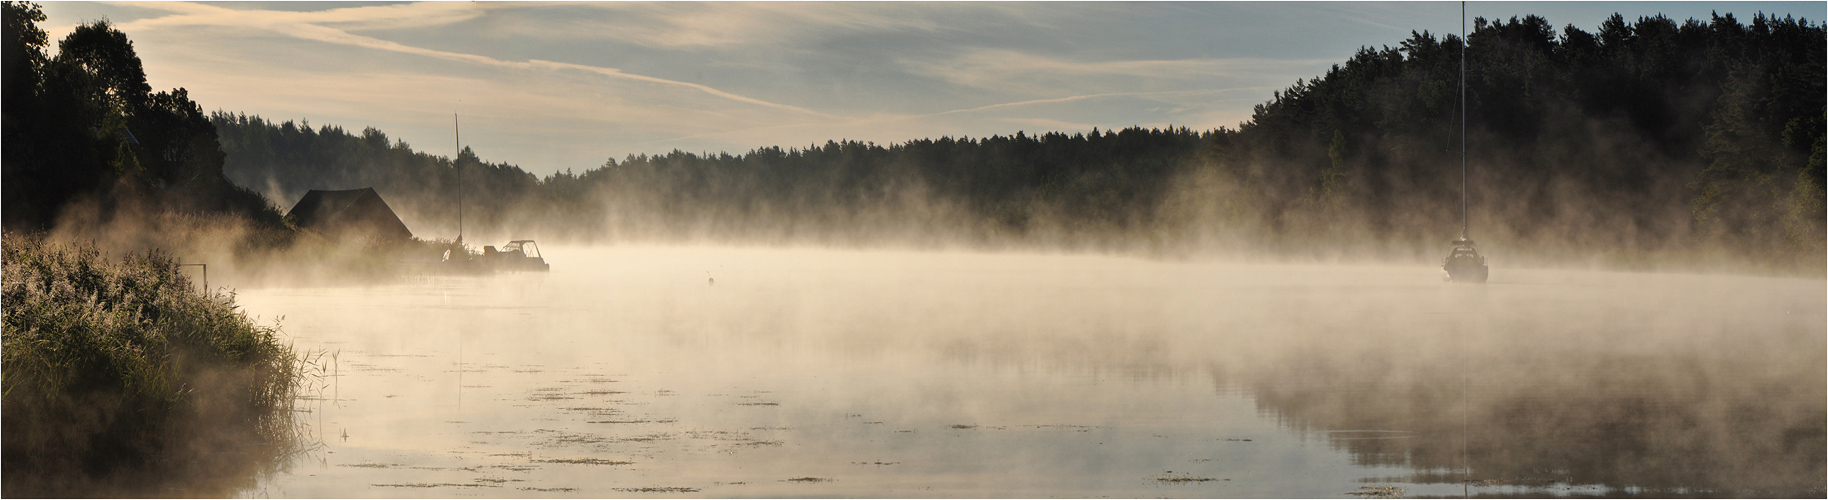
991, 189
1643, 140
1641, 143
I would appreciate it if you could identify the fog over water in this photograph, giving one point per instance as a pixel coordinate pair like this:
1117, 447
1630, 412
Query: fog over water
778, 371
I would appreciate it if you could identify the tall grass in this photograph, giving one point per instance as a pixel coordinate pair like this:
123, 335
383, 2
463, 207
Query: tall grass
122, 375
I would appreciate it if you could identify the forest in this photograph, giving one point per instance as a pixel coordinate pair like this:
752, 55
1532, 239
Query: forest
121, 372
1645, 144
991, 190
85, 128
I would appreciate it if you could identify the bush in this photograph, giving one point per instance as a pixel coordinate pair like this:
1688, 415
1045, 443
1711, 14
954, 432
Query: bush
121, 377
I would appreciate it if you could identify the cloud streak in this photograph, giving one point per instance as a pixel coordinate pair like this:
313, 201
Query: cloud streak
1058, 100
695, 25
1000, 69
302, 26
683, 25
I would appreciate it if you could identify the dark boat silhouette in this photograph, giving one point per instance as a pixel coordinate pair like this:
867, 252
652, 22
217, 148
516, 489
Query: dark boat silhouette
1464, 264
517, 255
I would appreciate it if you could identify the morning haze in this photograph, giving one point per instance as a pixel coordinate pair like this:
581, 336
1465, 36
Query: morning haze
914, 250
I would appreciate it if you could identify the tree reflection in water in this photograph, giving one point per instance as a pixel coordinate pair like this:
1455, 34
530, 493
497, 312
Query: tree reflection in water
1691, 422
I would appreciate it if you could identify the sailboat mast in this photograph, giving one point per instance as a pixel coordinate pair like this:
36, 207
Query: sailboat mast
457, 133
1465, 219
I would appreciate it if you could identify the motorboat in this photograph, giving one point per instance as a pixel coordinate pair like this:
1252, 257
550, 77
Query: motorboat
517, 255
1464, 264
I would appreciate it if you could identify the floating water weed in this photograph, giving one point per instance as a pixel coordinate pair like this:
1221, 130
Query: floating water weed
1184, 479
1378, 492
584, 461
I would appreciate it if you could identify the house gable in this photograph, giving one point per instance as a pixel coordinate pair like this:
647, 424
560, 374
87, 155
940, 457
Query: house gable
347, 214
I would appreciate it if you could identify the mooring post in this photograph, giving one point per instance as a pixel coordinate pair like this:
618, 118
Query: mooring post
205, 275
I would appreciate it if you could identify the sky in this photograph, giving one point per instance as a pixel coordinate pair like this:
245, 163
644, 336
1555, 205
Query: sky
558, 86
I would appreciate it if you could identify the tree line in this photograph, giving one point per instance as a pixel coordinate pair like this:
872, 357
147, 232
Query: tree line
1641, 141
1645, 137
1000, 187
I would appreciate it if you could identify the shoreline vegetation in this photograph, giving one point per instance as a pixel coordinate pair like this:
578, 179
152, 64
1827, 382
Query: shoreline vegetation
121, 379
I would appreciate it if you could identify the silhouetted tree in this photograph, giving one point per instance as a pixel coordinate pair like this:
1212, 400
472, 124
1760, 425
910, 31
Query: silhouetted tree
85, 123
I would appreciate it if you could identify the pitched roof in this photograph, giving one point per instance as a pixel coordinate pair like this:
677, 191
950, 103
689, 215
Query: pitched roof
348, 212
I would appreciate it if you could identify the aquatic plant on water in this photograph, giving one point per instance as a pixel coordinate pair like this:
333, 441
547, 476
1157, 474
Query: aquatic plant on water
122, 375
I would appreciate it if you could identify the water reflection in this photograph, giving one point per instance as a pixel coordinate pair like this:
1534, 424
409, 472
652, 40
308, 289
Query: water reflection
1733, 437
209, 454
1660, 386
822, 373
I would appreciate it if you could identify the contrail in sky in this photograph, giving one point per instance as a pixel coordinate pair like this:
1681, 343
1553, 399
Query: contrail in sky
288, 23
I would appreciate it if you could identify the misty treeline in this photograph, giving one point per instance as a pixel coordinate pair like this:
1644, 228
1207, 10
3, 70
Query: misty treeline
1639, 145
84, 130
989, 189
1697, 140
1641, 142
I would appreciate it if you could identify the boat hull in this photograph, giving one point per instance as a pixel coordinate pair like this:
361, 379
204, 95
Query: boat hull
1466, 271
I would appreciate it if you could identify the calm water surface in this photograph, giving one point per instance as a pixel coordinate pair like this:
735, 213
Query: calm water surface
729, 372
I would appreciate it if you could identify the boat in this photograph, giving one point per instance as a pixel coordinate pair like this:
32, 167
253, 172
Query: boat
517, 255
1463, 264
454, 257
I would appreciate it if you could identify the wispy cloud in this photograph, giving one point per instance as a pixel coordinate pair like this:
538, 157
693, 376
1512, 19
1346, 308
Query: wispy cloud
1048, 124
615, 73
1058, 100
302, 25
677, 25
397, 16
1028, 112
1034, 74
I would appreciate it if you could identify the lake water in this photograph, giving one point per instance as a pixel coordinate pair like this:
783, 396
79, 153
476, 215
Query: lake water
736, 372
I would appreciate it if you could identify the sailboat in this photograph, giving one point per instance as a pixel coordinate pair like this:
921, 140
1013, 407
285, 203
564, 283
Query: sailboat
1464, 264
517, 255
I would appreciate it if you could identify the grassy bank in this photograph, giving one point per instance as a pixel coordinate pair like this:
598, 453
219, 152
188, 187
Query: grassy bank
122, 378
